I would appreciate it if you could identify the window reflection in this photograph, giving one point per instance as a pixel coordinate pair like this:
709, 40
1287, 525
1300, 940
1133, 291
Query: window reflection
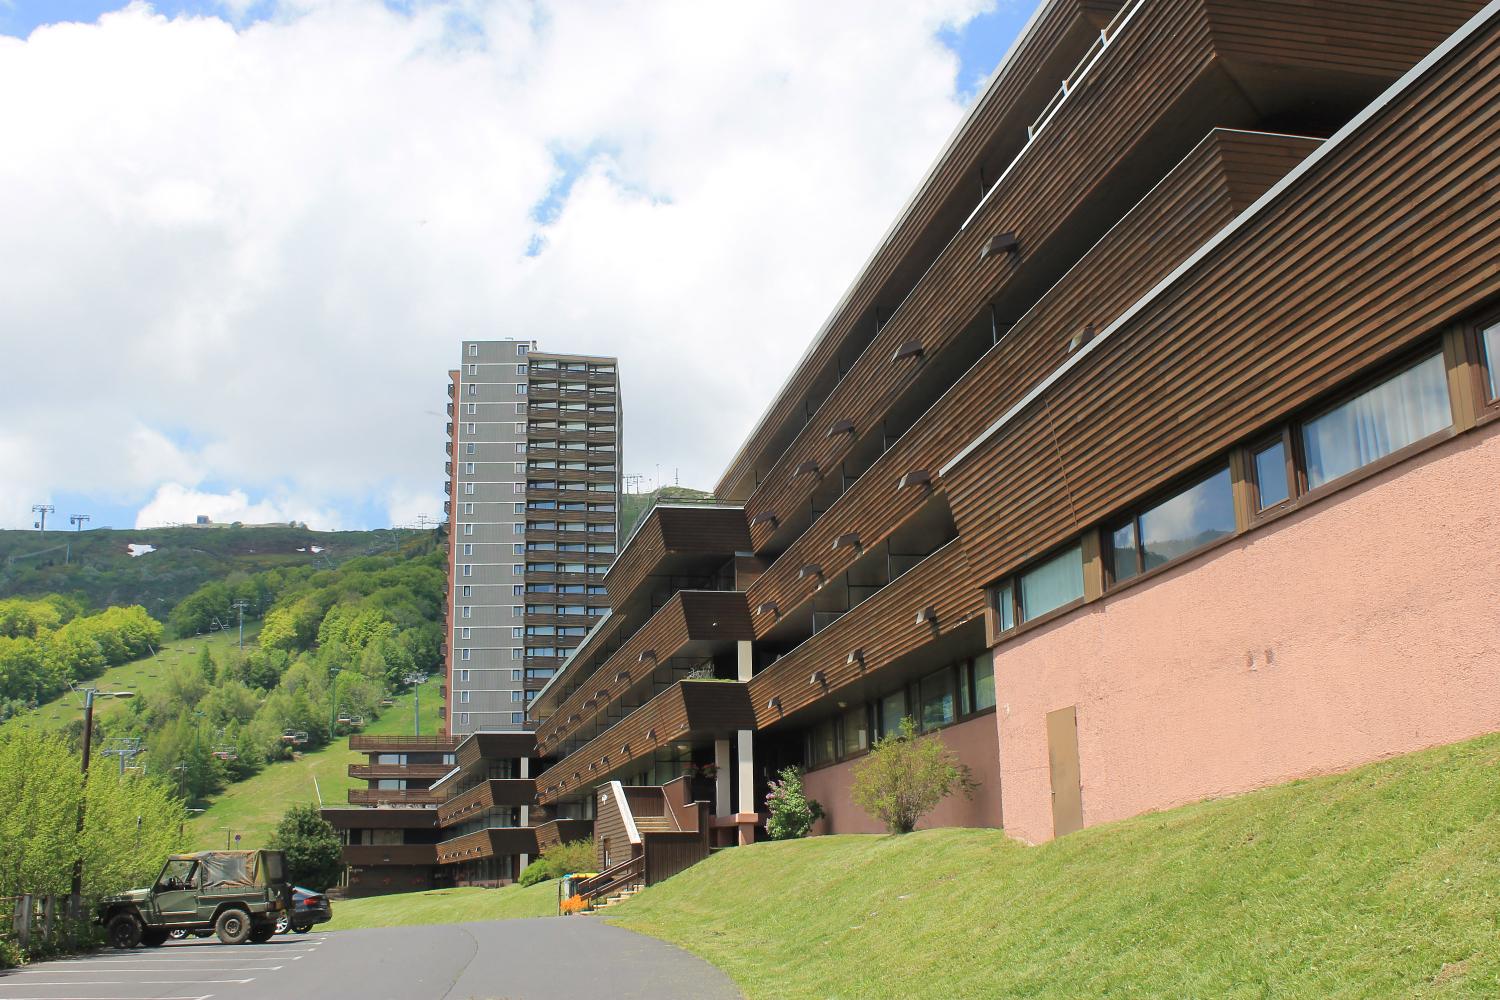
1397, 412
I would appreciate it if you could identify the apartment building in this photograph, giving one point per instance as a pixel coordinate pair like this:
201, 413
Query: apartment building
533, 492
1151, 457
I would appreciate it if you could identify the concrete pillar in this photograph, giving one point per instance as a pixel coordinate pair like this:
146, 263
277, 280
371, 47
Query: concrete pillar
722, 779
525, 810
744, 660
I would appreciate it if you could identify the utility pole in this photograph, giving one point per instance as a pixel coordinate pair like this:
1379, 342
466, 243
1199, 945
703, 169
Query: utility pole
43, 509
240, 606
79, 519
416, 681
88, 737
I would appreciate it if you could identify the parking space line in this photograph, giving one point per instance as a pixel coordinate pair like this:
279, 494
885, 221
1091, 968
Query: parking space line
206, 996
141, 982
128, 968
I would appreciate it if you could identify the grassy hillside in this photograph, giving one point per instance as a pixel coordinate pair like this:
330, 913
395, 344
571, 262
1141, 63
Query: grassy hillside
445, 906
633, 505
1382, 882
98, 565
252, 808
142, 677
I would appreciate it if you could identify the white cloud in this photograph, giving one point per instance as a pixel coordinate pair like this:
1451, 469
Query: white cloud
177, 504
247, 255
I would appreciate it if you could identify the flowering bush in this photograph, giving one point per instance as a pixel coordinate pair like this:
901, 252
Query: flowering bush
792, 812
574, 904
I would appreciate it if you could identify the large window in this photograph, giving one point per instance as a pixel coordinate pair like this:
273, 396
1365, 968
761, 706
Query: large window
1188, 520
1398, 412
855, 726
1052, 584
892, 710
937, 703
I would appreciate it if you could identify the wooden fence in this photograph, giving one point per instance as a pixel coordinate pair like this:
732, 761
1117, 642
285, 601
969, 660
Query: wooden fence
39, 924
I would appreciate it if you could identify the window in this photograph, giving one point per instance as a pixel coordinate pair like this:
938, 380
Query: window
1194, 517
464, 632
520, 407
463, 675
518, 487
517, 528
517, 632
473, 389
468, 569
470, 425
473, 410
1489, 349
463, 718
520, 369
521, 349
937, 708
1056, 582
520, 388
469, 528
1273, 476
468, 612
518, 548
469, 448
983, 672
463, 697
468, 468
520, 447
517, 696
520, 428
473, 369
468, 548
820, 744
517, 589
892, 710
468, 489
468, 591
1400, 411
520, 466
854, 732
516, 569
518, 718
465, 654
520, 508
515, 675
515, 654
468, 508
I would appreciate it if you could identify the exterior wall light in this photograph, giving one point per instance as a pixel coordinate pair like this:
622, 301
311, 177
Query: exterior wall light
841, 427
998, 244
910, 349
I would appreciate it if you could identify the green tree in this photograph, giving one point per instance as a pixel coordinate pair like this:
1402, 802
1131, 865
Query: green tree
905, 776
313, 853
792, 812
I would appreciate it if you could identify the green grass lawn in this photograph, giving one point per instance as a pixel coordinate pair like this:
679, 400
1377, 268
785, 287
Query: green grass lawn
1382, 882
253, 808
145, 677
445, 906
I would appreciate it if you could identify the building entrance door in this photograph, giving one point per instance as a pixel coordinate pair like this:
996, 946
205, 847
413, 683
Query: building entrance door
1062, 760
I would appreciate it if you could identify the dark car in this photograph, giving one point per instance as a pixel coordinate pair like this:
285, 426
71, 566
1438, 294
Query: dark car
308, 908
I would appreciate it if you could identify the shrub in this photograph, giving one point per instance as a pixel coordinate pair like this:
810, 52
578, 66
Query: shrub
537, 871
313, 856
905, 776
792, 812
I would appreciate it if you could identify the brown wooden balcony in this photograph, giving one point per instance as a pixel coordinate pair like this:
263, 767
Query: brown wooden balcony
402, 744
485, 795
387, 818
378, 855
372, 772
494, 842
394, 797
562, 831
693, 709
693, 622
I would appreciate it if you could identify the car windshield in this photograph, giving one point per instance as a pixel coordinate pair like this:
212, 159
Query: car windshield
178, 874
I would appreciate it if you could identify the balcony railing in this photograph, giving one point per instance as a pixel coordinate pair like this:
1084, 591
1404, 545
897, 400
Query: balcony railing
397, 744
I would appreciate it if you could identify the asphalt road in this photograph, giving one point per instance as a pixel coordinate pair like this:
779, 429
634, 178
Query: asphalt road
550, 959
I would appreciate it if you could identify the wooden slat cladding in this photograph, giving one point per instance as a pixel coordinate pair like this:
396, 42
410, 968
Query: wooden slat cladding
375, 855
1222, 176
380, 819
1388, 38
1103, 144
991, 135
1385, 239
1045, 200
562, 831
494, 842
479, 746
668, 531
687, 706
691, 615
581, 665
885, 627
491, 792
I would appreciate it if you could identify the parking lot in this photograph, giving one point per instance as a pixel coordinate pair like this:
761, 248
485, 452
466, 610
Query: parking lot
195, 969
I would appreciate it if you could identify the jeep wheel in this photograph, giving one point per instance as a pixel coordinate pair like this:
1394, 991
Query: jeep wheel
154, 937
233, 926
262, 933
124, 930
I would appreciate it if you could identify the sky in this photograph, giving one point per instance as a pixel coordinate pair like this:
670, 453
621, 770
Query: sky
244, 238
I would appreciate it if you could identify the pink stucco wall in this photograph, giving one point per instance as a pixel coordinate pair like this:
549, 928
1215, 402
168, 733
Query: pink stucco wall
976, 744
1361, 627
